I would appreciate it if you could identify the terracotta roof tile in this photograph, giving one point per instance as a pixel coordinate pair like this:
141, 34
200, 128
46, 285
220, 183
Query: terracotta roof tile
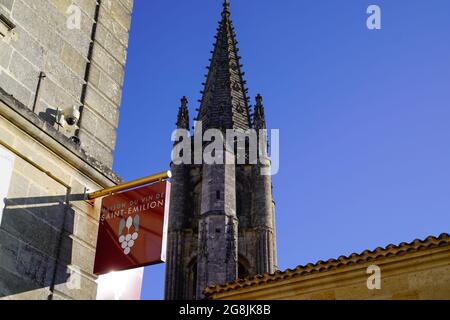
321, 266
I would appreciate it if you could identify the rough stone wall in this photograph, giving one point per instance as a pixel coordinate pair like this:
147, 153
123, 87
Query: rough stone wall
42, 42
47, 241
47, 232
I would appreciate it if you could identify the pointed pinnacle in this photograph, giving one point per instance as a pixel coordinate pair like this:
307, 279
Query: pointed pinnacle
259, 100
226, 9
184, 102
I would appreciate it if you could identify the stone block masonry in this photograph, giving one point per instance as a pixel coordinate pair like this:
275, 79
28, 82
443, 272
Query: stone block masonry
48, 233
44, 239
82, 67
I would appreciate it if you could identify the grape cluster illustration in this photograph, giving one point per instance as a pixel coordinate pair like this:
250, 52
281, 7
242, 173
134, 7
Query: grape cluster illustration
129, 232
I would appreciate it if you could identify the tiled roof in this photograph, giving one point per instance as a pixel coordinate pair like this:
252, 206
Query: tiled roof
342, 261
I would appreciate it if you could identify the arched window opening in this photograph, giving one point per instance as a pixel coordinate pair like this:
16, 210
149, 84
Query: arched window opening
242, 271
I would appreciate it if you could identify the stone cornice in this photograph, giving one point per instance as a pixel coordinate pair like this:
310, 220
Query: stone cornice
22, 117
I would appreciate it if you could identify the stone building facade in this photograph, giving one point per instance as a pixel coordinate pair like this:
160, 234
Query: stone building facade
57, 57
419, 270
222, 219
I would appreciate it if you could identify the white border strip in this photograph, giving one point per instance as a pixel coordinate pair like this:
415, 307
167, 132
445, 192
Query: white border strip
166, 222
6, 168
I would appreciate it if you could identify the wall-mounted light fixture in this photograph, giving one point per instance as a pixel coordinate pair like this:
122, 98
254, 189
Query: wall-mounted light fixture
68, 116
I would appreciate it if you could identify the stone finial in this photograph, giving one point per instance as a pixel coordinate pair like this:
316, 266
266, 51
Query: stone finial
259, 100
259, 117
226, 9
183, 114
184, 102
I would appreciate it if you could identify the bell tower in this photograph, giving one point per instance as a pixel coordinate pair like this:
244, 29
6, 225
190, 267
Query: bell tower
221, 224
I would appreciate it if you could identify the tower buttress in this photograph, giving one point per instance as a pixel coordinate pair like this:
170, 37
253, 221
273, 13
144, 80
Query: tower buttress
218, 227
263, 206
177, 219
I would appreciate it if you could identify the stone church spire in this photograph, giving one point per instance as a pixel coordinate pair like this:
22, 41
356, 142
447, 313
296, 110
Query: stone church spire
221, 220
224, 103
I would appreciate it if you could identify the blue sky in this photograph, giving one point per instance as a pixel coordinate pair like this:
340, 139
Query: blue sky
363, 115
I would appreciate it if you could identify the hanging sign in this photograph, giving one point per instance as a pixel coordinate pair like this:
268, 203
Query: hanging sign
133, 229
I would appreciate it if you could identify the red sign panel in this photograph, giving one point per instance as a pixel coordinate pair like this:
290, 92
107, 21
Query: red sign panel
132, 229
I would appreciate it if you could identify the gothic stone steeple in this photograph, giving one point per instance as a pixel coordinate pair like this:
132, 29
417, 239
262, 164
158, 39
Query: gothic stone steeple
221, 224
224, 103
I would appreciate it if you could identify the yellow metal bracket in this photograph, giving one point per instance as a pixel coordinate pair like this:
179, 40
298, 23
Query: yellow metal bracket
129, 185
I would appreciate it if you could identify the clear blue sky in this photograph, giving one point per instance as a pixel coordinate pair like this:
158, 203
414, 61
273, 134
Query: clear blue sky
364, 116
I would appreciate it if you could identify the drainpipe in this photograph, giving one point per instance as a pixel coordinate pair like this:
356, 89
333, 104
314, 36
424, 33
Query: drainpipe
76, 138
42, 76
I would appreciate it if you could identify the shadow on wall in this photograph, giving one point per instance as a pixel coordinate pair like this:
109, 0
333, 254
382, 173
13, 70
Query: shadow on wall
35, 247
49, 116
